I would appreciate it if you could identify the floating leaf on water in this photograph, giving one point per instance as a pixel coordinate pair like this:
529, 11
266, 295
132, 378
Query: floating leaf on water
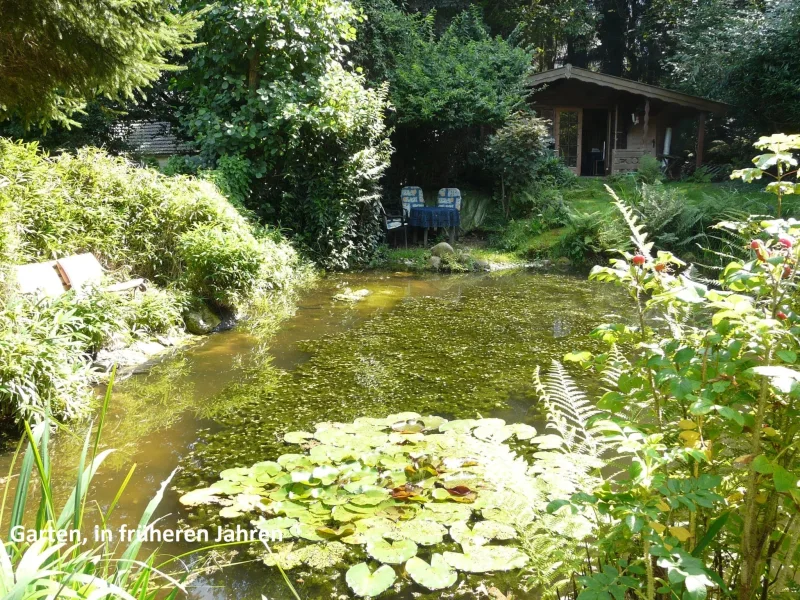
522, 431
366, 584
433, 422
297, 437
435, 576
237, 474
307, 531
492, 433
224, 486
370, 497
459, 425
440, 494
391, 553
200, 496
274, 523
494, 530
466, 537
230, 512
290, 462
404, 416
329, 533
406, 438
487, 558
410, 426
420, 531
322, 556
268, 467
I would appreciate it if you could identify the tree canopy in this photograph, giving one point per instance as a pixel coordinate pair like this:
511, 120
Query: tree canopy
56, 55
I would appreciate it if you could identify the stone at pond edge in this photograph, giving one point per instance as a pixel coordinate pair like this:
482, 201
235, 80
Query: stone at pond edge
434, 262
442, 249
482, 264
367, 584
200, 320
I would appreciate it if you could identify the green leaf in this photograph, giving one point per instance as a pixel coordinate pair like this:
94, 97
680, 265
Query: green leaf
761, 464
784, 480
367, 584
392, 553
435, 576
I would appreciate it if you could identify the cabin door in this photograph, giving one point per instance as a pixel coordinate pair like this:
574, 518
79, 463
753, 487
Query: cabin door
568, 126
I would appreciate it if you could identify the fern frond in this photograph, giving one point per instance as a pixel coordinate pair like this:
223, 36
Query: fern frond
568, 410
638, 235
615, 366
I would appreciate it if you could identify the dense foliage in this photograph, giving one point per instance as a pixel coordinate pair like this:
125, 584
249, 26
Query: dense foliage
268, 85
55, 56
178, 232
744, 54
444, 88
703, 412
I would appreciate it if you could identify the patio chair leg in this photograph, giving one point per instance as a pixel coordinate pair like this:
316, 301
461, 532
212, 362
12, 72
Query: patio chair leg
425, 238
452, 235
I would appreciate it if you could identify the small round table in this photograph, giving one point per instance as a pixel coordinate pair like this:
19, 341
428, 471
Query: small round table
435, 216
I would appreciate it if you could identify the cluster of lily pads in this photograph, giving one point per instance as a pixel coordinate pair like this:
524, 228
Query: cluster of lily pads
380, 489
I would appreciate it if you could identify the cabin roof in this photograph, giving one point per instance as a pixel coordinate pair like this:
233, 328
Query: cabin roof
626, 85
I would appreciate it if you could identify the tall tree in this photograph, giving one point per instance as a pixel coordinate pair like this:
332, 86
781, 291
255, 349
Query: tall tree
269, 85
56, 54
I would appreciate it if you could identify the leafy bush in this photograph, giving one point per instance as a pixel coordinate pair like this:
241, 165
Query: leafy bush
221, 266
589, 237
131, 218
649, 170
155, 311
514, 152
304, 129
43, 366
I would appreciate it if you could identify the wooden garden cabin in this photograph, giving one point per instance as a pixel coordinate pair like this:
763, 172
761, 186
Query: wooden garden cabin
603, 124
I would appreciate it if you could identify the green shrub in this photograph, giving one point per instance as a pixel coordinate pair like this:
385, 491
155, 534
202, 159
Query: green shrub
221, 266
649, 170
590, 236
131, 218
43, 366
155, 311
233, 176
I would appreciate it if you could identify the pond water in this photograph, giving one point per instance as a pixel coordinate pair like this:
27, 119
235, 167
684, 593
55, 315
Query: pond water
458, 346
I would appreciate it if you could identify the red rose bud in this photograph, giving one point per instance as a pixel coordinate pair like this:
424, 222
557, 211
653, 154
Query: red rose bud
787, 272
755, 244
762, 254
782, 315
786, 241
638, 260
660, 267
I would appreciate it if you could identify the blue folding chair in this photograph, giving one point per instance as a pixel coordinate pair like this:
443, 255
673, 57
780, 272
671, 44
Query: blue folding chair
410, 197
449, 198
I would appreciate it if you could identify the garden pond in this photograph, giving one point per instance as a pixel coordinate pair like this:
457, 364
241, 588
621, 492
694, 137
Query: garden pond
455, 346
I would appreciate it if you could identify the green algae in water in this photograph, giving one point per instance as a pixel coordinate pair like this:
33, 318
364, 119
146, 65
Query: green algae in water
388, 488
460, 356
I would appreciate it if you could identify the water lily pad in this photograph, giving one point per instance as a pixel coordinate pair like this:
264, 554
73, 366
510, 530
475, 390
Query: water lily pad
459, 425
492, 433
322, 556
297, 437
420, 531
200, 496
290, 462
494, 530
404, 416
392, 553
462, 534
522, 431
274, 524
482, 559
366, 584
237, 474
435, 576
283, 555
307, 531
